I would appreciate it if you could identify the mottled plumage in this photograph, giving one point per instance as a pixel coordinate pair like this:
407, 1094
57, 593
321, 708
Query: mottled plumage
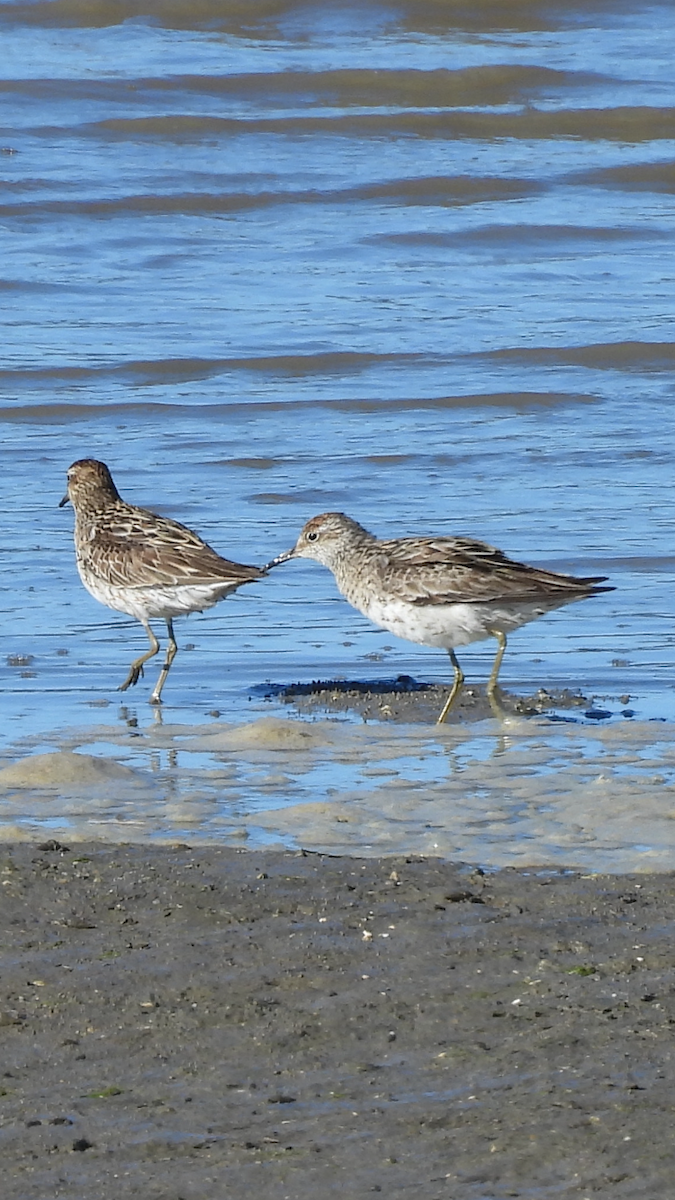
142, 564
437, 591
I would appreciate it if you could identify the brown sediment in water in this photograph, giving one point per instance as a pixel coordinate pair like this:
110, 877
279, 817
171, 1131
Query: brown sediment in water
187, 1021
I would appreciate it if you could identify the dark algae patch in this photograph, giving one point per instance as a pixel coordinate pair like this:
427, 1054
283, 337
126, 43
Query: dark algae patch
205, 1022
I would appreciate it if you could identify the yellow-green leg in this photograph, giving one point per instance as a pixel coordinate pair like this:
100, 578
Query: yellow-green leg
454, 690
136, 668
492, 689
171, 652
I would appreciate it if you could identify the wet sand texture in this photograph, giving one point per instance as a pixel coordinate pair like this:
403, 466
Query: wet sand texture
191, 1024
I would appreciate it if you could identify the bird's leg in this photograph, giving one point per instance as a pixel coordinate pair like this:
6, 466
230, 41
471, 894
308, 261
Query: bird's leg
136, 668
492, 689
171, 652
454, 690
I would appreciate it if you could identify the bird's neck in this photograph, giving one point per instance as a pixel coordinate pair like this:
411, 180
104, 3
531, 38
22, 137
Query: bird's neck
352, 560
99, 508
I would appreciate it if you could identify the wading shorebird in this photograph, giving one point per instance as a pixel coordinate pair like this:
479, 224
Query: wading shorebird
437, 591
142, 564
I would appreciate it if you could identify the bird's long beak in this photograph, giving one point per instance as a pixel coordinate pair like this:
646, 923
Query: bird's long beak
281, 558
65, 500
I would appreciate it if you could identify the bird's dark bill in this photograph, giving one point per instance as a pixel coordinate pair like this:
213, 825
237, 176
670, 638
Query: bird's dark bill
281, 558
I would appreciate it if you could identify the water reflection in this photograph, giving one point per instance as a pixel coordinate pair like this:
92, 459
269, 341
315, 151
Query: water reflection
539, 794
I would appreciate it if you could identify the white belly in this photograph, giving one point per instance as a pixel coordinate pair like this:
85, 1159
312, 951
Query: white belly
450, 625
146, 603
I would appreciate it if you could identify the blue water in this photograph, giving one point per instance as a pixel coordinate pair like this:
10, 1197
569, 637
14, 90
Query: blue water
336, 258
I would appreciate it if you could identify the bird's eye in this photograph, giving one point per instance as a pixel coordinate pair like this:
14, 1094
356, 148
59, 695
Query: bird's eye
313, 536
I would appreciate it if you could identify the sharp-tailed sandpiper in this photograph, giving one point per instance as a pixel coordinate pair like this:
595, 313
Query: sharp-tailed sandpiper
142, 564
437, 591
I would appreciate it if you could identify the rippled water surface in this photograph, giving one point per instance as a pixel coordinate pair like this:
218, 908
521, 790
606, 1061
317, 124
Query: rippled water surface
411, 262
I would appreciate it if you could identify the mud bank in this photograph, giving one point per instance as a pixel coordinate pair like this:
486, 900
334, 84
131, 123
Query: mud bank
404, 699
189, 1023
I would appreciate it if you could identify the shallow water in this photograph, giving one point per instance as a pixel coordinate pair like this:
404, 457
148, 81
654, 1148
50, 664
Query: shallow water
517, 794
406, 263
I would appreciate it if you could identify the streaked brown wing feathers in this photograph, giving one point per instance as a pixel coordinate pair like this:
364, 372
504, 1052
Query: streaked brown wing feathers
461, 571
146, 550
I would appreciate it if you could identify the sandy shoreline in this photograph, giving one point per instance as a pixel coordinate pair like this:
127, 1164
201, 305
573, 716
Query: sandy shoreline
182, 1023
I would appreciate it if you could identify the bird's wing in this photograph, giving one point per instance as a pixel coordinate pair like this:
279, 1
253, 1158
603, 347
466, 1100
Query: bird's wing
145, 550
464, 571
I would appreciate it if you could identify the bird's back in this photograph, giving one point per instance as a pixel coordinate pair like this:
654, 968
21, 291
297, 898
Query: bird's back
447, 570
133, 547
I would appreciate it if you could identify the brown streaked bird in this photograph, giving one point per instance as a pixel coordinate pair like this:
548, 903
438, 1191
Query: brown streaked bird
142, 564
437, 591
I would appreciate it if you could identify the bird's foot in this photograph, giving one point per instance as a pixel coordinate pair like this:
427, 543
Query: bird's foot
132, 679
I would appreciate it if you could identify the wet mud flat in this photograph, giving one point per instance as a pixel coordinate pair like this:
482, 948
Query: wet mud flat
189, 1023
406, 700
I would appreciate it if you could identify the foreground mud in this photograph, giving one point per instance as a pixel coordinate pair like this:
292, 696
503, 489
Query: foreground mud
193, 1024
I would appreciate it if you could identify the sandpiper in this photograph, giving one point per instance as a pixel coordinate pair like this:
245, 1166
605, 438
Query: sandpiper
437, 591
142, 564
